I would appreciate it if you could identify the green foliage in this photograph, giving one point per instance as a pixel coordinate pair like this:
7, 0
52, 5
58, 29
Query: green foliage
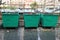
13, 8
9, 7
34, 5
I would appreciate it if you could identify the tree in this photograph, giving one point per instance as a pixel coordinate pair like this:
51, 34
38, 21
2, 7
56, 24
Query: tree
34, 5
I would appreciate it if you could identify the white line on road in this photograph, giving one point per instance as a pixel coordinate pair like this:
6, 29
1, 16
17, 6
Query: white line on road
38, 32
21, 33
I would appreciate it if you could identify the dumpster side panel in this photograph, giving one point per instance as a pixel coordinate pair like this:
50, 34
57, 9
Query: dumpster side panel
50, 20
31, 20
10, 20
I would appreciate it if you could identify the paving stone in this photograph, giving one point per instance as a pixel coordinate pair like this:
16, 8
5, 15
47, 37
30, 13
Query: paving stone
30, 34
1, 34
11, 35
48, 35
57, 32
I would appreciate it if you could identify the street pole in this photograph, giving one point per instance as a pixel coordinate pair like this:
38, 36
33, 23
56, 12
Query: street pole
0, 6
54, 5
10, 3
0, 3
44, 6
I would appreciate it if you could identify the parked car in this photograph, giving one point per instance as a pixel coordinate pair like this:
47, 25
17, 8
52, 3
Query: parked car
57, 11
10, 10
49, 10
40, 10
27, 10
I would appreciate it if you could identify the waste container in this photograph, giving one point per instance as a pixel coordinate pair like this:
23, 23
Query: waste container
49, 20
10, 19
31, 20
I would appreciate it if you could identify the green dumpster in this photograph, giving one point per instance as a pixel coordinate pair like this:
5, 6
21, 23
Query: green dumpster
31, 20
10, 19
49, 20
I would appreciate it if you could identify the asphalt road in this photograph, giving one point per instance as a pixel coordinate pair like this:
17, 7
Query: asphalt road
26, 34
29, 34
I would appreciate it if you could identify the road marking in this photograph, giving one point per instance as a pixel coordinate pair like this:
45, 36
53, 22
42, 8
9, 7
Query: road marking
38, 32
21, 33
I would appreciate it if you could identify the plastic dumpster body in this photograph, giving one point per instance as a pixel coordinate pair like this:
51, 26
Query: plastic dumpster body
31, 20
10, 19
49, 20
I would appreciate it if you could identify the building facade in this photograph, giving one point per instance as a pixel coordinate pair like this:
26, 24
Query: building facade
26, 3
